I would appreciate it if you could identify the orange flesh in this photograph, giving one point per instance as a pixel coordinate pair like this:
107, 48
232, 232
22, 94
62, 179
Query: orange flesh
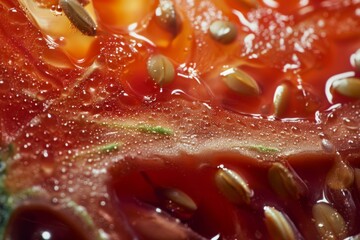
278, 43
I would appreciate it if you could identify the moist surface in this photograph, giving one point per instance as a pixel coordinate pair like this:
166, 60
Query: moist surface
114, 129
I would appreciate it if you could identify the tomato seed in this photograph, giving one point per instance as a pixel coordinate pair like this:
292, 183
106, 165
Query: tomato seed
240, 82
223, 31
340, 176
233, 186
79, 17
177, 202
160, 69
281, 99
349, 87
278, 225
329, 223
284, 182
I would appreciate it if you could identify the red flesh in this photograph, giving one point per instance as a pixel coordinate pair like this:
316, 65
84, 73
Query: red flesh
51, 116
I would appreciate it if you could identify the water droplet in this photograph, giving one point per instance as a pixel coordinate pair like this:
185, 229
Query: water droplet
327, 145
351, 124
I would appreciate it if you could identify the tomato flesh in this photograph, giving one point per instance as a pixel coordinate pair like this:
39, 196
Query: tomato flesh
82, 120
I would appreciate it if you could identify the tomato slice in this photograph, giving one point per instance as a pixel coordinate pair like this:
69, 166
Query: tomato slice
200, 119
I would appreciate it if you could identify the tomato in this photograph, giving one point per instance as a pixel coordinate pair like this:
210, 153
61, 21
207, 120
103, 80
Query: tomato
179, 119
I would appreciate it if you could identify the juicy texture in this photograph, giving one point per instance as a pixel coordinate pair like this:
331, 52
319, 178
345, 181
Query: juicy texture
91, 127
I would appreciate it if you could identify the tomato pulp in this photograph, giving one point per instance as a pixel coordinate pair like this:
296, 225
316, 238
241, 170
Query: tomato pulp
204, 119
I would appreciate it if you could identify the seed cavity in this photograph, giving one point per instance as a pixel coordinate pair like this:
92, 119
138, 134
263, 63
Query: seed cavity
167, 17
340, 176
349, 87
160, 69
240, 82
284, 182
223, 31
79, 17
233, 186
329, 223
278, 225
281, 99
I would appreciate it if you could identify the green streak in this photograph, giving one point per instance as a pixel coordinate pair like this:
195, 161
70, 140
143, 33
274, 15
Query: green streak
141, 127
264, 149
154, 129
109, 147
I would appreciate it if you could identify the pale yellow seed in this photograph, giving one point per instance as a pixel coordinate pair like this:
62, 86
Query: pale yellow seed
349, 87
329, 223
233, 186
240, 82
179, 199
79, 17
340, 176
223, 31
284, 182
278, 225
161, 69
281, 99
167, 17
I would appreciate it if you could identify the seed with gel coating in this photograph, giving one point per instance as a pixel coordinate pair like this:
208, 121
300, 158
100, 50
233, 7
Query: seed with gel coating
223, 31
177, 202
233, 186
349, 87
78, 16
340, 176
240, 82
281, 99
284, 182
160, 69
278, 225
329, 223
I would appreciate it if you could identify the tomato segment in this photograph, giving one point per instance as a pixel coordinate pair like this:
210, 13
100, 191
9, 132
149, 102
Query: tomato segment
255, 134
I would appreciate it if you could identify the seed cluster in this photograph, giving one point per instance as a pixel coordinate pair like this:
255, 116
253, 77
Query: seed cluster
287, 185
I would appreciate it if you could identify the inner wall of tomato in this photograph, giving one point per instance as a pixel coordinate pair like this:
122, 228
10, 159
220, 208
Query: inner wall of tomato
292, 51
